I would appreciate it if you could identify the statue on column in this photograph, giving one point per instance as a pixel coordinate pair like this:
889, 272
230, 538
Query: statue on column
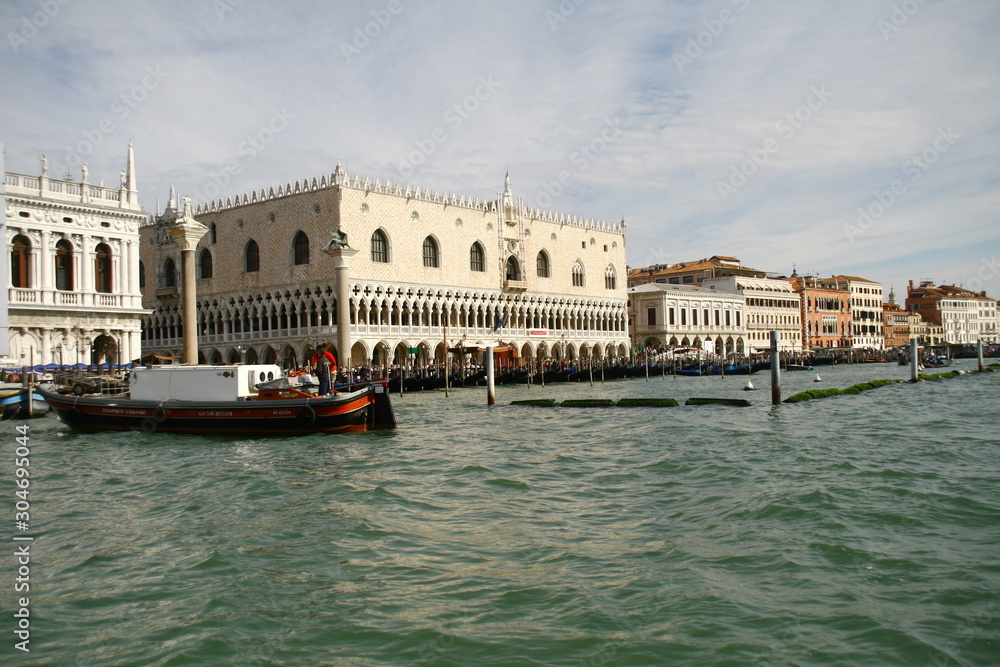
83, 168
45, 166
124, 180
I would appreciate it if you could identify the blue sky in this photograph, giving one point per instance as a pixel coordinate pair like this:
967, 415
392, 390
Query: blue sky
857, 137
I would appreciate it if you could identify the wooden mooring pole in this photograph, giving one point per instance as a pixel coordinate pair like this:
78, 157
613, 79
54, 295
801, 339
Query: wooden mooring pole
914, 361
775, 369
491, 392
979, 353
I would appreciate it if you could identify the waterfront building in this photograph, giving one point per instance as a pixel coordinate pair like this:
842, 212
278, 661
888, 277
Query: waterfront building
826, 313
662, 314
432, 271
771, 305
867, 330
964, 316
73, 254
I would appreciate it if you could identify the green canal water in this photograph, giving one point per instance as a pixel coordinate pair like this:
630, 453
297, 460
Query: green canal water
855, 530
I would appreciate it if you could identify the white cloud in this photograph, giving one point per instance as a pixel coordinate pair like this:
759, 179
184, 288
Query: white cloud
367, 86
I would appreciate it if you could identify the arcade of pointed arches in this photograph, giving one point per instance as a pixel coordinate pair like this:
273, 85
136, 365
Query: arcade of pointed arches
284, 326
721, 345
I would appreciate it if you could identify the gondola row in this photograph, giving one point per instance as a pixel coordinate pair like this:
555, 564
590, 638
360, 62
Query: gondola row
573, 374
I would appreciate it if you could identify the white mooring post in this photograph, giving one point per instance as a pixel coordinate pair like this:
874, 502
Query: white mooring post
914, 360
491, 392
775, 369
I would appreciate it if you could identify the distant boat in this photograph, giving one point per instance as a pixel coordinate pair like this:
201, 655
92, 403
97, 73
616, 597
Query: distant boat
14, 403
797, 367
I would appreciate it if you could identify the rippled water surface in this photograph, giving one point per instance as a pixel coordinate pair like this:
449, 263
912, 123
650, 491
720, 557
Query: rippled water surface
855, 530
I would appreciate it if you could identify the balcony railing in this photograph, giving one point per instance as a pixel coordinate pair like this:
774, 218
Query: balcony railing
60, 298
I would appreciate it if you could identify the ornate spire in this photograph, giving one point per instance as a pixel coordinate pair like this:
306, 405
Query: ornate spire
507, 206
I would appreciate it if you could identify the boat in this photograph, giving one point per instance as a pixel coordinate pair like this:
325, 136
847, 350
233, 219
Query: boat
14, 404
227, 400
937, 362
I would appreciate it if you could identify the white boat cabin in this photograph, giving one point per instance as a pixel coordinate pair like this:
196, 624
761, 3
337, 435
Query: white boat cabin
200, 383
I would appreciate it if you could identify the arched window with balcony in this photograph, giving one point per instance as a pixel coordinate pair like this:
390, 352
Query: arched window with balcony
380, 247
542, 264
431, 258
477, 257
102, 269
20, 262
512, 269
168, 276
205, 264
251, 257
300, 248
64, 265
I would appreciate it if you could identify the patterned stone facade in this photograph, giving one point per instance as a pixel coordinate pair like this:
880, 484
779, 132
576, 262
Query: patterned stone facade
73, 255
430, 267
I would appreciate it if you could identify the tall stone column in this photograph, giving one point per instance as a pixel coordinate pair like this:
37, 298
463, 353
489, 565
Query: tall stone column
341, 254
47, 269
186, 232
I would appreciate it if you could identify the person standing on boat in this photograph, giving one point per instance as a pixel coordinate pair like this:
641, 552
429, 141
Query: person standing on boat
326, 366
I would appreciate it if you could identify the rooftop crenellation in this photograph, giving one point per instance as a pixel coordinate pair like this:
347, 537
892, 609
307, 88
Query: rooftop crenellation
341, 178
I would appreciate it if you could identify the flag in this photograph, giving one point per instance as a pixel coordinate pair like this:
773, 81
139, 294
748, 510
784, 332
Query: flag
503, 321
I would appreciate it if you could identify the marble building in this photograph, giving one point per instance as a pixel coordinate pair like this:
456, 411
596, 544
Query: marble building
72, 258
279, 271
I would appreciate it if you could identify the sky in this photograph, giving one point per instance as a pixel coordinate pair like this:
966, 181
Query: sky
857, 137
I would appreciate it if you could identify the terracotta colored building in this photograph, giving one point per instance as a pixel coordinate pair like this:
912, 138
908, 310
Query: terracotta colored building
826, 313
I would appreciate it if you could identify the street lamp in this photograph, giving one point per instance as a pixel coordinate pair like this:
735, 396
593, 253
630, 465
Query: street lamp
80, 342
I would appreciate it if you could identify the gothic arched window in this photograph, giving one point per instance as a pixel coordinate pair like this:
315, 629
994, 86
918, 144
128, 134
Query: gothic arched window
430, 252
380, 247
251, 257
542, 264
300, 249
477, 257
205, 264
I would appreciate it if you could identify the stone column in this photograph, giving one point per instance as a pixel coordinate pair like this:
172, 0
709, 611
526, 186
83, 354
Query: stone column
47, 267
341, 254
186, 232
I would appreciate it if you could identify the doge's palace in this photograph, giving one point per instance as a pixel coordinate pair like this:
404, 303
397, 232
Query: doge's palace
418, 270
73, 254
